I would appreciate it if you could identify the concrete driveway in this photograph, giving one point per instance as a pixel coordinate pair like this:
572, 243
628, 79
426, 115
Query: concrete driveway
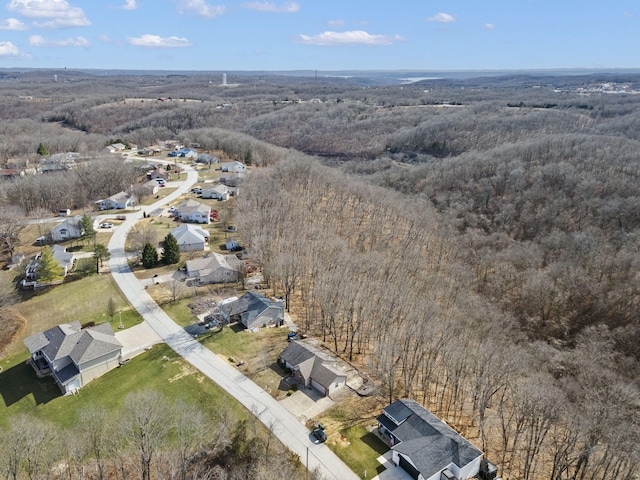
391, 471
307, 403
137, 339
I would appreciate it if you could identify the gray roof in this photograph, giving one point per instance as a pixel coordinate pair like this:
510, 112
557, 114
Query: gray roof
312, 361
60, 254
429, 442
187, 234
120, 197
212, 262
190, 206
252, 305
69, 340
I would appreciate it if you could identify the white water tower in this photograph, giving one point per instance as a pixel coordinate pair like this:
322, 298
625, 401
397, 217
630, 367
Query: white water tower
224, 79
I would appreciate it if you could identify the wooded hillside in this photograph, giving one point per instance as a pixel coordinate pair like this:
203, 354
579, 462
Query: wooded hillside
475, 248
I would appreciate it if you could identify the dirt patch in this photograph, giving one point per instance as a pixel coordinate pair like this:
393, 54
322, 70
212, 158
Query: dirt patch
185, 371
12, 326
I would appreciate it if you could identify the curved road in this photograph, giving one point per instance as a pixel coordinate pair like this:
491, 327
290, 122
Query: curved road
273, 415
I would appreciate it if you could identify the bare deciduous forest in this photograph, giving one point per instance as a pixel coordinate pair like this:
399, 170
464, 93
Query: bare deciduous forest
472, 244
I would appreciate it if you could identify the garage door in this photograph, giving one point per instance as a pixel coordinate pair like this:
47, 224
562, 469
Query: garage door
410, 469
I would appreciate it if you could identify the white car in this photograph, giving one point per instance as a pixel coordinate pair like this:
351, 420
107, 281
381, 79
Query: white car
106, 225
172, 209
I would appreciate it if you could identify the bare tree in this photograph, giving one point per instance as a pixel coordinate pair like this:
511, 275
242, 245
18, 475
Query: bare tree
11, 226
146, 423
176, 288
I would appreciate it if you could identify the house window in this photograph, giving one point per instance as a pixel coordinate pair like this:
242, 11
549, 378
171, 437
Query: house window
63, 231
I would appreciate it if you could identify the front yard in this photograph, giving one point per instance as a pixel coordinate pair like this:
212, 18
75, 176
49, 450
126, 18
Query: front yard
159, 369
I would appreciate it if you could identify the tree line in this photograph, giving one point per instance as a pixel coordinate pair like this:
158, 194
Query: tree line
152, 438
385, 282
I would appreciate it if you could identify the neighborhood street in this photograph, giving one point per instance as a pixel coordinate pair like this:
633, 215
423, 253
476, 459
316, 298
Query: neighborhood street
272, 414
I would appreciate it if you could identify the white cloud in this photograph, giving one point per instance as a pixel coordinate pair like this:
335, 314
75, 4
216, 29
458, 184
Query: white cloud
202, 8
336, 23
38, 41
129, 5
489, 26
629, 14
12, 24
156, 41
355, 37
8, 49
50, 13
442, 18
286, 7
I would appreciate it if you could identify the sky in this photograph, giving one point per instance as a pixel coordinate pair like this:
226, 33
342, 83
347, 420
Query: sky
324, 35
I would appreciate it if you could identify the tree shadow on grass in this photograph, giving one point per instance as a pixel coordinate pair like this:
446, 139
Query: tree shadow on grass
21, 381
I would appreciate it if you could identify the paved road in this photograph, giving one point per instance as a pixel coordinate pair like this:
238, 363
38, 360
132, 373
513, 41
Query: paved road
282, 423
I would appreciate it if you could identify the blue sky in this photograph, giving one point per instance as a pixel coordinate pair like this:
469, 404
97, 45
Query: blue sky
320, 34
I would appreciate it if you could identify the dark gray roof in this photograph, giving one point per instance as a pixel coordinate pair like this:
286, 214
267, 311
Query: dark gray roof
312, 361
251, 305
398, 411
69, 340
430, 443
67, 373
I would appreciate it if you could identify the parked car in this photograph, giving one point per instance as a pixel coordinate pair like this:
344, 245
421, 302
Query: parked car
318, 432
106, 225
160, 180
172, 209
196, 190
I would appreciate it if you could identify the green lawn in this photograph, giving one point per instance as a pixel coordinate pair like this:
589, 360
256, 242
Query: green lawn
359, 449
84, 300
180, 312
22, 392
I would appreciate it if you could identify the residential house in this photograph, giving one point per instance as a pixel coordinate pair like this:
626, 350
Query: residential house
218, 192
255, 310
68, 229
233, 167
59, 162
60, 254
74, 356
215, 268
184, 152
158, 172
207, 159
64, 258
190, 237
424, 446
233, 179
116, 147
313, 367
120, 200
193, 211
151, 186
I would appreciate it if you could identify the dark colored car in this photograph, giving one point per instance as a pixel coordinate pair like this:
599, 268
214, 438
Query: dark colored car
319, 434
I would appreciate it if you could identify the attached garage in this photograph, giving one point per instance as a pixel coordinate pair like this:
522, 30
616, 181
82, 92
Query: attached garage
410, 469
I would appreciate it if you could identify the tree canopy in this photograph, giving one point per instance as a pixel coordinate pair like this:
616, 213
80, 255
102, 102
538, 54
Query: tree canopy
171, 250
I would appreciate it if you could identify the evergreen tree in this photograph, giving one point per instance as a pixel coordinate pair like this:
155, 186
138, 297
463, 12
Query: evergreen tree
48, 267
43, 151
248, 158
171, 251
149, 256
87, 226
100, 253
